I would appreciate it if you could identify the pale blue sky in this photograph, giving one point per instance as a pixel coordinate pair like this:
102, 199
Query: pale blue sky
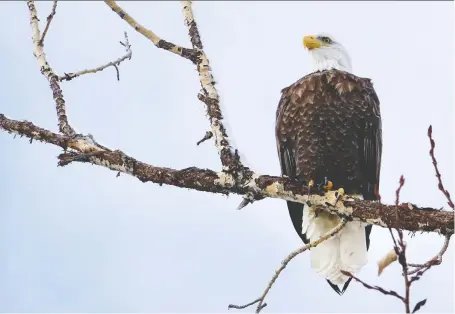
78, 239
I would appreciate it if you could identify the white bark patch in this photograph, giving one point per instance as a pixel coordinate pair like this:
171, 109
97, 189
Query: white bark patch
46, 70
377, 221
207, 83
422, 225
225, 179
83, 146
116, 167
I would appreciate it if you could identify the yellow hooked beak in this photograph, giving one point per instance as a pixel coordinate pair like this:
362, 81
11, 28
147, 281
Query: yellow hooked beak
311, 42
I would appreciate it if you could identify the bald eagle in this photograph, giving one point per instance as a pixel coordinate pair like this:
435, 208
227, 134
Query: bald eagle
328, 131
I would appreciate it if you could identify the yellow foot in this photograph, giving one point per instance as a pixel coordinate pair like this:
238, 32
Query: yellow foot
329, 186
339, 194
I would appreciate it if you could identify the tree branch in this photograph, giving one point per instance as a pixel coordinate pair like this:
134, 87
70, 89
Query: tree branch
230, 159
399, 248
438, 174
126, 44
436, 260
382, 290
285, 262
234, 177
50, 17
186, 53
405, 216
48, 73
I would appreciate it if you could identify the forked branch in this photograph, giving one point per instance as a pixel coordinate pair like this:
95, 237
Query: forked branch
230, 159
400, 247
186, 53
50, 17
49, 74
115, 64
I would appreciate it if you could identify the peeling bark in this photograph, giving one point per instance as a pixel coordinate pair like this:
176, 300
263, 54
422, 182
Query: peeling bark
229, 157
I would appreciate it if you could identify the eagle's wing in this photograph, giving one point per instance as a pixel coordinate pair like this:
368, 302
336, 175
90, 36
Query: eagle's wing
370, 149
288, 168
370, 146
286, 155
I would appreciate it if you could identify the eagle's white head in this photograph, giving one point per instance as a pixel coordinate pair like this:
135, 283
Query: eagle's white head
326, 53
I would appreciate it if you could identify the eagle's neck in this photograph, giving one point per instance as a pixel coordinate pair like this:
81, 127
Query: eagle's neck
333, 60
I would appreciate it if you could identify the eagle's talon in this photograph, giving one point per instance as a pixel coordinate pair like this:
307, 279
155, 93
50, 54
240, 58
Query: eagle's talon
339, 195
328, 186
325, 185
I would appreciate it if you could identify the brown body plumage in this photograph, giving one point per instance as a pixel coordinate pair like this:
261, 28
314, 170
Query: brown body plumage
328, 125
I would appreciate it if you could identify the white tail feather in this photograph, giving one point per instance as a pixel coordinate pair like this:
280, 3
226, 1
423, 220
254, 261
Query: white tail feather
345, 251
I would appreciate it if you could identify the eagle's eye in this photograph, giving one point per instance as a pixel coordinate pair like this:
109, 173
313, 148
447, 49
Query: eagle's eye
326, 40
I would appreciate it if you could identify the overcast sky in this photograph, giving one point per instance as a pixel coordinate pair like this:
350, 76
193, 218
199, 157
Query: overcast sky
78, 239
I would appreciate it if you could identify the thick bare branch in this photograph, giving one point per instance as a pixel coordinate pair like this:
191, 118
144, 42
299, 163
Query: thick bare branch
285, 262
405, 216
186, 53
229, 158
128, 54
50, 17
48, 73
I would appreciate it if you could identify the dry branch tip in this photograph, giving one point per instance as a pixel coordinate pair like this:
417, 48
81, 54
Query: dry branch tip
50, 17
115, 64
438, 174
291, 256
208, 135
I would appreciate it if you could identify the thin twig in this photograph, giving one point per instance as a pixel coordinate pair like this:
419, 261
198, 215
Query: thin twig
400, 250
49, 20
48, 73
435, 164
407, 282
422, 271
382, 290
397, 201
241, 307
186, 53
398, 191
208, 135
286, 261
437, 260
70, 76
